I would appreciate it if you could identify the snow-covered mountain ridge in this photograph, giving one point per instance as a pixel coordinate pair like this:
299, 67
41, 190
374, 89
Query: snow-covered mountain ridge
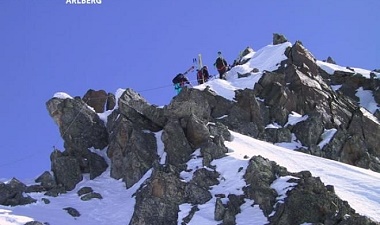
193, 162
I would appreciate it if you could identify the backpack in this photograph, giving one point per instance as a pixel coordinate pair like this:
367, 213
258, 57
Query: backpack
220, 63
177, 79
180, 78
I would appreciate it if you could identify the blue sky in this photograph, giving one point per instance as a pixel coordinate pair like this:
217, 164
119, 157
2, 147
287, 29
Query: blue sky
48, 47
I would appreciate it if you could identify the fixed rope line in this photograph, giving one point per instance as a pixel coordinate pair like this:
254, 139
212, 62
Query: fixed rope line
18, 160
72, 122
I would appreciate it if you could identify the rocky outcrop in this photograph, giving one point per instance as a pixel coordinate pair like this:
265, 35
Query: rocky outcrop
81, 129
12, 193
99, 100
157, 202
132, 149
196, 124
319, 203
279, 39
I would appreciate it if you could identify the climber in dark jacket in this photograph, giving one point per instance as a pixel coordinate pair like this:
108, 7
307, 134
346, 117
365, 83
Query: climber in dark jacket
221, 65
203, 75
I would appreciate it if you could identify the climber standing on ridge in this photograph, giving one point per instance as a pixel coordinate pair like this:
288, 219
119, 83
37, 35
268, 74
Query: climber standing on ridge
221, 65
203, 75
180, 80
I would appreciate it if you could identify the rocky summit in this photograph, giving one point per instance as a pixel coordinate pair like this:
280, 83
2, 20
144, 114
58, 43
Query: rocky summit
151, 146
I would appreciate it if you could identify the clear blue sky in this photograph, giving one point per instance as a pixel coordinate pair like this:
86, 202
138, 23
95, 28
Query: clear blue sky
47, 46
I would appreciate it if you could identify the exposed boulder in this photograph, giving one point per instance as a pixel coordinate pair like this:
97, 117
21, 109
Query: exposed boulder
177, 146
12, 193
205, 178
92, 195
96, 99
259, 175
309, 131
111, 101
47, 180
84, 190
197, 132
35, 223
302, 59
279, 39
132, 150
80, 127
213, 150
219, 129
330, 60
189, 102
276, 135
319, 204
73, 212
66, 170
134, 107
157, 202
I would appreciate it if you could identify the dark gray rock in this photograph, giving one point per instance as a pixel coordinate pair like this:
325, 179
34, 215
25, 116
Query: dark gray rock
246, 100
157, 202
80, 127
220, 210
34, 188
84, 190
330, 60
55, 192
47, 180
259, 176
188, 218
135, 108
111, 101
197, 132
73, 212
45, 200
189, 102
66, 170
319, 205
96, 99
276, 135
12, 193
205, 178
309, 131
132, 150
279, 39
92, 195
211, 151
219, 129
196, 194
96, 164
177, 146
34, 223
303, 59
232, 209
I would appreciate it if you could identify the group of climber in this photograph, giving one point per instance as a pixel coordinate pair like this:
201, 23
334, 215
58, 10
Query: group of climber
180, 80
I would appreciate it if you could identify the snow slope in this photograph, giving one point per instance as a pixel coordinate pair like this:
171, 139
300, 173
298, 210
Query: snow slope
360, 187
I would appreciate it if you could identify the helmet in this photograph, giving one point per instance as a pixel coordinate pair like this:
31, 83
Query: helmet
219, 53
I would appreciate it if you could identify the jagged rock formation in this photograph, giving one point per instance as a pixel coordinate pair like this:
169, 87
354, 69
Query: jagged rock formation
99, 100
199, 121
11, 194
81, 129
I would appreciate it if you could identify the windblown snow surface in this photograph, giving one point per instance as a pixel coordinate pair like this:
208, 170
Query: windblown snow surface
360, 187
